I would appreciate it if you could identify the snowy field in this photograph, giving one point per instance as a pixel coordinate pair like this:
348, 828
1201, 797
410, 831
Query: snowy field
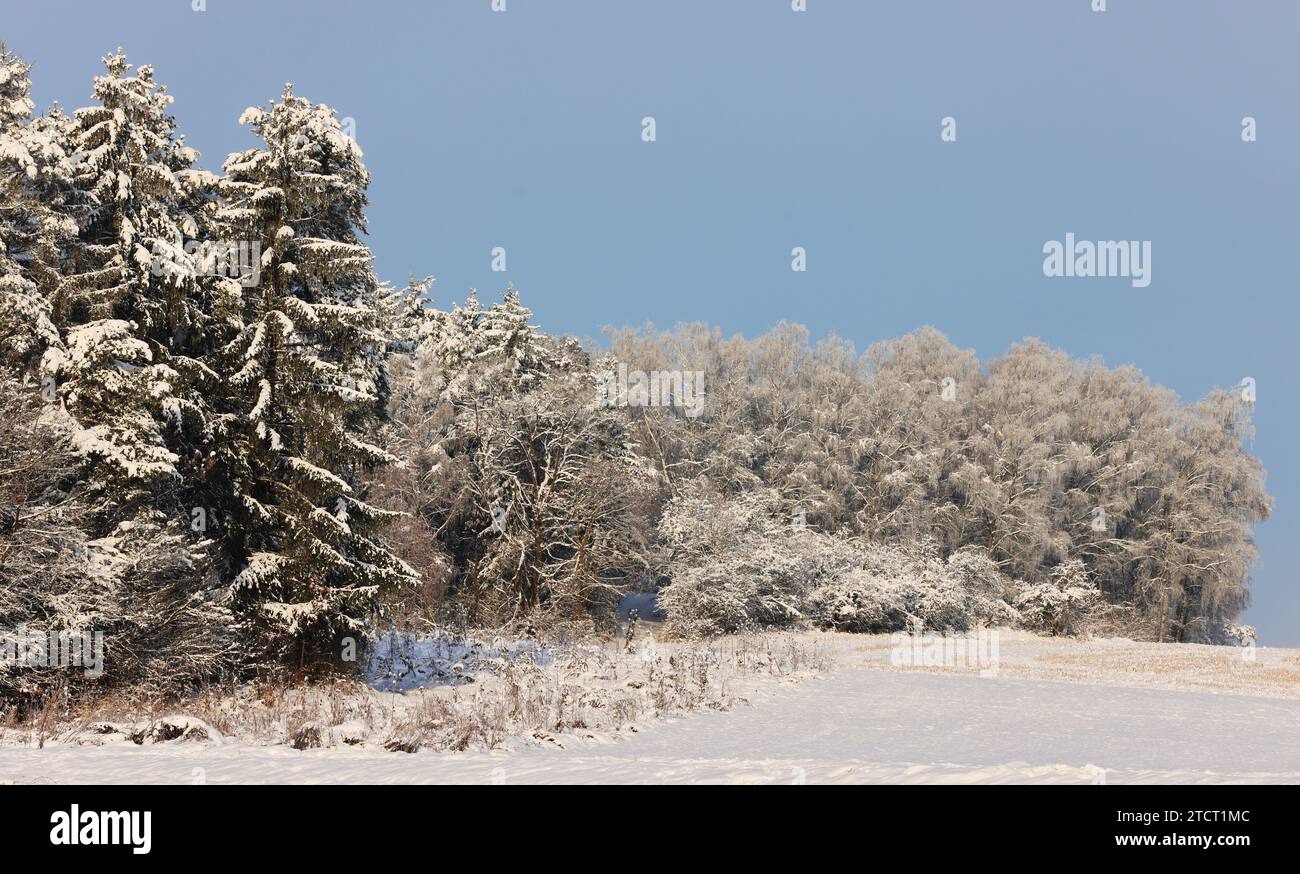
1054, 711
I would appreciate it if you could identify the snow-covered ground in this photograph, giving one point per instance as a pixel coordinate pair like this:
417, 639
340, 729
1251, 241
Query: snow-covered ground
1053, 712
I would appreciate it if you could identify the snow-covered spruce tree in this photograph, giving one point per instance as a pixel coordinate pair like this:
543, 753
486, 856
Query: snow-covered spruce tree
126, 155
405, 313
473, 345
30, 230
129, 303
24, 315
121, 398
147, 587
307, 382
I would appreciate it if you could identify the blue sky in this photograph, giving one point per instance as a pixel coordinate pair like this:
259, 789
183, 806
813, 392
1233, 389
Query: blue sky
820, 129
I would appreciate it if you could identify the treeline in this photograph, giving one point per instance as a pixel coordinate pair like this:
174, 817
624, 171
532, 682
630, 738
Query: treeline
226, 445
812, 462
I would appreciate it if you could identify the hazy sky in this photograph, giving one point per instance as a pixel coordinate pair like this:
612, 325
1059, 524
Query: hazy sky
775, 129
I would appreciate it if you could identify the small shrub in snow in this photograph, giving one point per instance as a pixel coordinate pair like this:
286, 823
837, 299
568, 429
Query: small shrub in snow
1233, 634
169, 728
863, 602
738, 564
1060, 605
895, 587
721, 599
990, 592
307, 737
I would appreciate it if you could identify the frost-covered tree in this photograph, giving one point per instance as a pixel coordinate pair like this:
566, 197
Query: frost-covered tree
1062, 603
30, 228
1035, 460
128, 300
917, 420
1015, 453
556, 493
722, 444
741, 563
126, 155
306, 386
531, 488
146, 587
43, 527
1190, 545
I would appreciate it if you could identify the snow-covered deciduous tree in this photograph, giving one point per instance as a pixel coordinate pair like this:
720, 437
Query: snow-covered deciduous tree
917, 420
43, 538
1191, 545
554, 492
1015, 458
532, 489
1033, 459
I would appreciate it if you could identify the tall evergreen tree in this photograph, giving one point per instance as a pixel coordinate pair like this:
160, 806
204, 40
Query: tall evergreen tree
308, 379
29, 227
127, 300
102, 193
127, 155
